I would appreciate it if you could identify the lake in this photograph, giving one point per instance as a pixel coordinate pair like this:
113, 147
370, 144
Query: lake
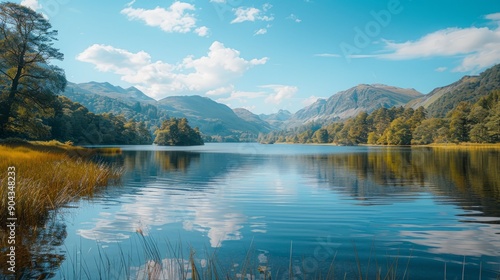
301, 211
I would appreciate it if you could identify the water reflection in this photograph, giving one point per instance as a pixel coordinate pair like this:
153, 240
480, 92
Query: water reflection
38, 252
434, 203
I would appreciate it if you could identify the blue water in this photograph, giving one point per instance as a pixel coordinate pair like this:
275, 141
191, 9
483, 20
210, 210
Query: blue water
404, 212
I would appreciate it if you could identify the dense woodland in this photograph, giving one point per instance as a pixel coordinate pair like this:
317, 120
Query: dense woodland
478, 123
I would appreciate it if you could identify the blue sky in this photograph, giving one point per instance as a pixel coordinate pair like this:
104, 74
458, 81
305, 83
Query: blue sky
271, 55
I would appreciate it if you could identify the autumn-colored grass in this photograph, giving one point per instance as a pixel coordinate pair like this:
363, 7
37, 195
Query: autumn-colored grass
48, 175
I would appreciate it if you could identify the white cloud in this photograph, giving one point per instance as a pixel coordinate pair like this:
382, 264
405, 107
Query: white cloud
175, 18
273, 94
441, 69
252, 14
261, 31
327, 55
241, 97
446, 42
33, 4
159, 79
110, 59
220, 91
280, 93
202, 31
294, 18
478, 47
130, 3
217, 1
493, 17
310, 100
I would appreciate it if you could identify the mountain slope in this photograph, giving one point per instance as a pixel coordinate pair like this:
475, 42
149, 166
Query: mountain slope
211, 117
102, 98
470, 88
252, 118
351, 102
277, 120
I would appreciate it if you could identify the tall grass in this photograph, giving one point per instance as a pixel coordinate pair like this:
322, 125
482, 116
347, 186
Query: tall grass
208, 266
48, 176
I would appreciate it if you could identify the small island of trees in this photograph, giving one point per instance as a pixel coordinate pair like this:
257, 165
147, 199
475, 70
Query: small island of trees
177, 132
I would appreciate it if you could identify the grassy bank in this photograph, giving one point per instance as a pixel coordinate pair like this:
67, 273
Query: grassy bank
47, 175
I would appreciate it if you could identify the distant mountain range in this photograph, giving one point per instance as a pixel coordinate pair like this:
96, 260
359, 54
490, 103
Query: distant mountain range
226, 124
353, 101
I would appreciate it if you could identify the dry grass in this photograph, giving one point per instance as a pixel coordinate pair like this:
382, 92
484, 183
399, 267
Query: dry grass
48, 175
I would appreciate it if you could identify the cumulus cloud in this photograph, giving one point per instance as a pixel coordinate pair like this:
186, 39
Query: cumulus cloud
174, 19
280, 93
479, 46
441, 69
159, 79
243, 14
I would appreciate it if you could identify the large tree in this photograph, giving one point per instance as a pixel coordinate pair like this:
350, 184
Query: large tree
28, 82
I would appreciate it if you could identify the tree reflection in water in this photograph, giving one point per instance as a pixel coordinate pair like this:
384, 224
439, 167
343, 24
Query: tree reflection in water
38, 252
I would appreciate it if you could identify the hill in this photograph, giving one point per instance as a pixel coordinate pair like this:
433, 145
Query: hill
349, 103
210, 117
216, 121
470, 88
277, 120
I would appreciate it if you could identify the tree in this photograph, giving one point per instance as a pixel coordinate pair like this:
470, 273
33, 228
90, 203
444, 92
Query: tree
321, 136
428, 131
177, 132
493, 124
358, 132
398, 133
28, 83
459, 123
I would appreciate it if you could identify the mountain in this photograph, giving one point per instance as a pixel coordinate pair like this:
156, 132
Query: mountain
129, 95
351, 102
276, 120
102, 98
470, 88
254, 119
210, 117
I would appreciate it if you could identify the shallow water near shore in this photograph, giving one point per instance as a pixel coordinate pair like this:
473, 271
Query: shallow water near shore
416, 213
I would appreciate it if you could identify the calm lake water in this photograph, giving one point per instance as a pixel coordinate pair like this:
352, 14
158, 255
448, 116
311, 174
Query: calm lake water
414, 213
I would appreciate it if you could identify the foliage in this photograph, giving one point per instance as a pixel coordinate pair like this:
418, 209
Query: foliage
177, 132
73, 122
477, 123
468, 89
28, 82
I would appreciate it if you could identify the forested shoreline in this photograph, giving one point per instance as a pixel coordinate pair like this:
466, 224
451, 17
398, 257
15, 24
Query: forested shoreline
477, 122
